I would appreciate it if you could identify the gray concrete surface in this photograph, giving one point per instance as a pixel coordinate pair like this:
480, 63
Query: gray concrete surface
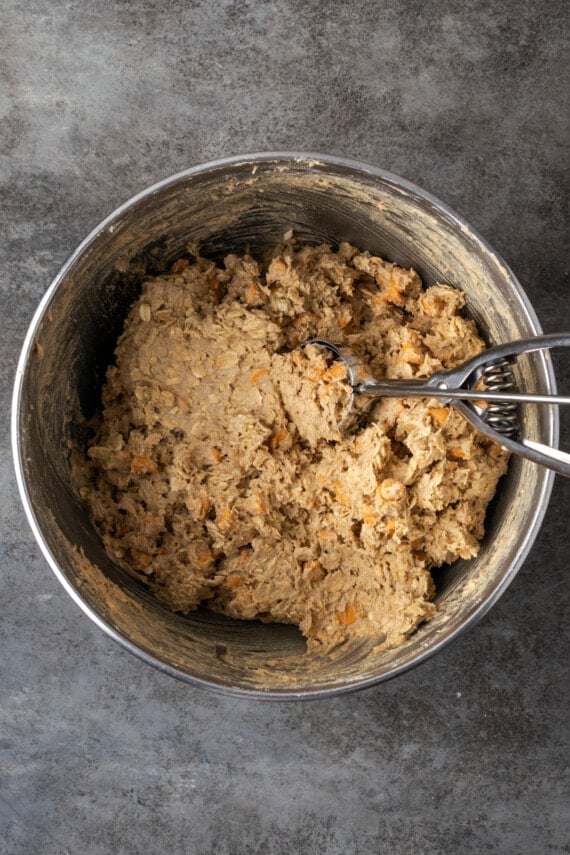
100, 754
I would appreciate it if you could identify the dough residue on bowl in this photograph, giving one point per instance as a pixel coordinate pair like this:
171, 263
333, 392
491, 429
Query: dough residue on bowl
219, 473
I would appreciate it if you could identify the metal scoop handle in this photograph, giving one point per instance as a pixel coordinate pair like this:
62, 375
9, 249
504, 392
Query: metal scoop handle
458, 376
406, 389
440, 385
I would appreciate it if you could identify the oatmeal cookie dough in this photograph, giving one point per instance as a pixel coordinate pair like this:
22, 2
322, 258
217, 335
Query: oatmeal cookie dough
219, 474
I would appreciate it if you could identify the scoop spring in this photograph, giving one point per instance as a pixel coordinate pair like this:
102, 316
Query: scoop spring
503, 416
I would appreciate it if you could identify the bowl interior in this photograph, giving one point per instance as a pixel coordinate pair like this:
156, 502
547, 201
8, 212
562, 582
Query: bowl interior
234, 206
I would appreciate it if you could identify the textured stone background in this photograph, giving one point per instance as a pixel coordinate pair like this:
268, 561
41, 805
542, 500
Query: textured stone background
99, 753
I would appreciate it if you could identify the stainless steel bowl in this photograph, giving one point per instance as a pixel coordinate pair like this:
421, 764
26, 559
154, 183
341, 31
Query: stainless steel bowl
228, 205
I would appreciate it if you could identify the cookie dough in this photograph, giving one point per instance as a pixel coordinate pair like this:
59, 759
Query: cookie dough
221, 471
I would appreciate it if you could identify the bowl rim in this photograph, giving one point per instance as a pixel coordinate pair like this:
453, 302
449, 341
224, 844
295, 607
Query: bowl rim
311, 159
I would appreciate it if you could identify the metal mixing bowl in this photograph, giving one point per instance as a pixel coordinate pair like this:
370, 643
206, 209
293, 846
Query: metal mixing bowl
230, 205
